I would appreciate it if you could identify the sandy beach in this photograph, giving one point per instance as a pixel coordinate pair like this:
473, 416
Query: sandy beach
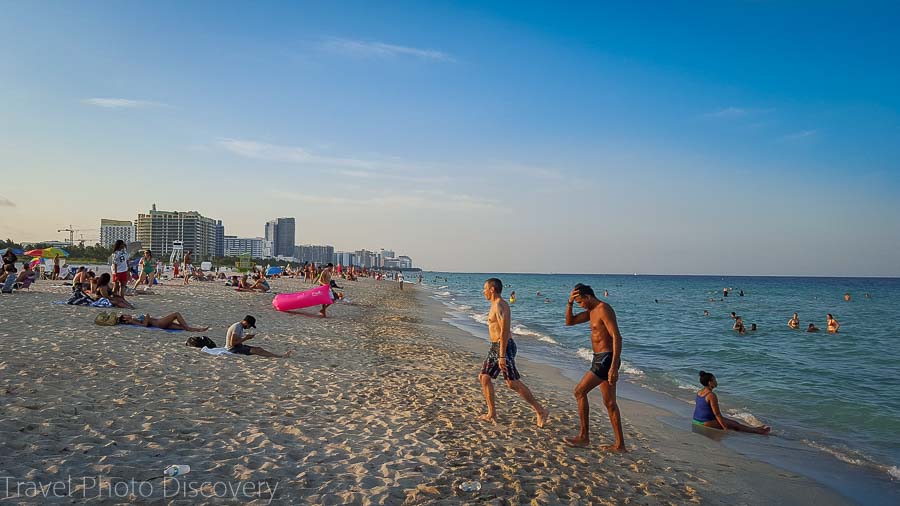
377, 405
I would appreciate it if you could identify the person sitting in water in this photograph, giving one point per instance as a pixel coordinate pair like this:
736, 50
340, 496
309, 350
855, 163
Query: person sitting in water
739, 325
235, 339
173, 321
752, 327
794, 322
708, 414
833, 325
812, 328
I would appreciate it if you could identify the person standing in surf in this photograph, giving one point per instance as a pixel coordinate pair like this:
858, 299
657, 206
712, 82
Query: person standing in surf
606, 342
502, 356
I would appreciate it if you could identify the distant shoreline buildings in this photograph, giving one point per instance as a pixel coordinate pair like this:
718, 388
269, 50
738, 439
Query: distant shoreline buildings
157, 230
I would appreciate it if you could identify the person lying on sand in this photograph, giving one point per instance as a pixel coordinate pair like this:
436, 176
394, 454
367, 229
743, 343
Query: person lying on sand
173, 321
707, 413
235, 339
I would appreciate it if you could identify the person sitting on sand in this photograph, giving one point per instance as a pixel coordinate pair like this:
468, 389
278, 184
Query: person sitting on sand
8, 270
812, 328
235, 339
833, 325
173, 321
794, 322
103, 291
707, 412
7, 278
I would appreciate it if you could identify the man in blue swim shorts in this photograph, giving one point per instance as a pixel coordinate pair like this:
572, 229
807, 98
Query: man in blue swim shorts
502, 356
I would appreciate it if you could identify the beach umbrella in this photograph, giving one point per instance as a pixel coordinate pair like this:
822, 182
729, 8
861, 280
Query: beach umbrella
16, 251
47, 252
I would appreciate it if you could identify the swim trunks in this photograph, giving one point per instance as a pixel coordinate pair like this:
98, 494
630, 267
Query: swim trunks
491, 365
240, 349
122, 277
600, 365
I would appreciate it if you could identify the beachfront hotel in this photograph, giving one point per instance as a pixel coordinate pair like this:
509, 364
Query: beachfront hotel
158, 229
114, 230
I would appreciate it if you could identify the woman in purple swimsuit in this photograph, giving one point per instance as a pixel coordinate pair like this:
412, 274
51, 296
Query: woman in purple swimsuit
707, 413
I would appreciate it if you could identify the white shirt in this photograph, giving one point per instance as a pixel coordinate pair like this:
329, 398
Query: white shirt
120, 259
236, 330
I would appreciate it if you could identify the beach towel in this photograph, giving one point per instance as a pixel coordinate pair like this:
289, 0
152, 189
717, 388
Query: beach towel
216, 351
101, 302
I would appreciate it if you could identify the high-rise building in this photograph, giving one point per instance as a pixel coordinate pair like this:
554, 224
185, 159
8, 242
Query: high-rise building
366, 258
220, 239
284, 237
113, 230
236, 246
157, 230
344, 258
315, 254
386, 253
404, 262
280, 232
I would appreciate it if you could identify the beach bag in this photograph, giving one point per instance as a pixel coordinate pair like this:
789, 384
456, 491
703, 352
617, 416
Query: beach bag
106, 319
200, 342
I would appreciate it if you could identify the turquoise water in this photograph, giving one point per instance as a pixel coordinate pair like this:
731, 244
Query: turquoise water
838, 394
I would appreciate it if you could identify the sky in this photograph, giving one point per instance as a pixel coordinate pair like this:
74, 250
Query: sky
721, 137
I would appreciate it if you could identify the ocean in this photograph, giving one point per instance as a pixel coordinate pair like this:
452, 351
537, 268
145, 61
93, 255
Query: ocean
828, 397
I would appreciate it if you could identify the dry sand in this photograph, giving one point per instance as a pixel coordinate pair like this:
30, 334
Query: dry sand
378, 405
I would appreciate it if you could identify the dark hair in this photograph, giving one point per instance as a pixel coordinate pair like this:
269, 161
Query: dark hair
830, 315
705, 378
496, 284
104, 279
148, 252
119, 244
584, 290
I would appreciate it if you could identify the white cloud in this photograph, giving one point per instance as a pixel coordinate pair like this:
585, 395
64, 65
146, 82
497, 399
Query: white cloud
803, 134
359, 168
122, 103
421, 200
5, 202
371, 49
736, 112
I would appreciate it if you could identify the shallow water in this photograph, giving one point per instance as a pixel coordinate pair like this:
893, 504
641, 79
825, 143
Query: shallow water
838, 394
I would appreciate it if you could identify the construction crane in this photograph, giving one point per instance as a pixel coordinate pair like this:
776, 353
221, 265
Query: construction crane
71, 232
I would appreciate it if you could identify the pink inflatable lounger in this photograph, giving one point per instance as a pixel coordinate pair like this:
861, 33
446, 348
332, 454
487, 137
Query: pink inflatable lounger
300, 300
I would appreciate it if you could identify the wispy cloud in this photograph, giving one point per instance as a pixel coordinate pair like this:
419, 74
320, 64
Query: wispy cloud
737, 112
5, 202
122, 103
796, 136
372, 49
359, 168
421, 200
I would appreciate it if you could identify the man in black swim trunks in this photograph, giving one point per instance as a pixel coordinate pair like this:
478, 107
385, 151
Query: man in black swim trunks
235, 339
502, 356
607, 345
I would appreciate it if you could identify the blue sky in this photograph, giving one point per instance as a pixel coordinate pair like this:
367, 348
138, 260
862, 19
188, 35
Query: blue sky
755, 137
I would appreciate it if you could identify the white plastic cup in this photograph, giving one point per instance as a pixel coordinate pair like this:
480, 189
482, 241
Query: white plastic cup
176, 470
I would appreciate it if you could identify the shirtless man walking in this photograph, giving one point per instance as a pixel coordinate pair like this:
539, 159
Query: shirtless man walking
325, 280
607, 345
502, 356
